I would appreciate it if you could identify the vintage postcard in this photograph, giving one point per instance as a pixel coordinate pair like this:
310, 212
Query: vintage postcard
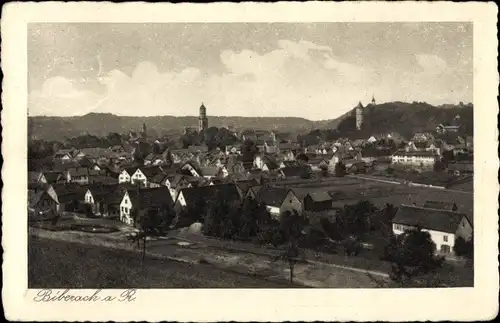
250, 162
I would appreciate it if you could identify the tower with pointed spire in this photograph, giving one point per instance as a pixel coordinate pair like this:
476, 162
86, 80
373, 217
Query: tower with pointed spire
359, 116
373, 99
203, 120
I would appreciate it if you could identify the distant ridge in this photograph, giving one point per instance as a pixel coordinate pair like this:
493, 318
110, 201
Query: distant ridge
386, 117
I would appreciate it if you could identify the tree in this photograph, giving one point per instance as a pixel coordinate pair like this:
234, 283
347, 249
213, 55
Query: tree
292, 225
464, 248
411, 253
248, 151
249, 218
324, 170
291, 255
114, 139
357, 217
302, 158
306, 173
340, 169
439, 166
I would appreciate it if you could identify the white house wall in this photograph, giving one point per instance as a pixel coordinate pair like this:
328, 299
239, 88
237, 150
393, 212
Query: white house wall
437, 237
124, 177
291, 202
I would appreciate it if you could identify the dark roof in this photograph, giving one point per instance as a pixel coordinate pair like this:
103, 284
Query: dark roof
158, 178
228, 192
151, 171
78, 171
69, 192
94, 152
320, 196
52, 177
427, 218
439, 205
151, 197
131, 170
209, 171
295, 171
272, 196
244, 185
33, 177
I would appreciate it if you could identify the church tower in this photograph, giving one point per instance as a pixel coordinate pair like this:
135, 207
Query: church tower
373, 99
359, 116
202, 120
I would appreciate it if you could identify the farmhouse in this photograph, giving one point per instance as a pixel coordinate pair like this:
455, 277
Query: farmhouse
100, 198
318, 201
137, 202
278, 200
195, 199
42, 202
443, 226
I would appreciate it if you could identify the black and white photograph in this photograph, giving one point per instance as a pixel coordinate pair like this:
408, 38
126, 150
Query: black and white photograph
259, 155
250, 155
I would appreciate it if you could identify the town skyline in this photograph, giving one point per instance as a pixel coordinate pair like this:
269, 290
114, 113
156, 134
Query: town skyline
247, 70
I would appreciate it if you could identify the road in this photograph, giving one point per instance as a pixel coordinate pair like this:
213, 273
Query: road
59, 264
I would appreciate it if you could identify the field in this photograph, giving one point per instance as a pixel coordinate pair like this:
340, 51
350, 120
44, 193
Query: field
352, 189
56, 264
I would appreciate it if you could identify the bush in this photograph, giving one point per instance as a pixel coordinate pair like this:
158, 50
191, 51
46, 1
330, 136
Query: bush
464, 248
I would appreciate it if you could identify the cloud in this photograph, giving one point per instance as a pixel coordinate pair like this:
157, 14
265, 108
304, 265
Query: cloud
59, 96
431, 64
299, 79
295, 79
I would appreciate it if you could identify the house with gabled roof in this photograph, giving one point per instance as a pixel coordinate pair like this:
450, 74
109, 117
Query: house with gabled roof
125, 174
153, 159
41, 202
53, 177
316, 201
244, 185
65, 155
295, 172
443, 226
101, 198
78, 175
36, 178
143, 200
177, 182
69, 195
278, 200
265, 162
194, 198
143, 174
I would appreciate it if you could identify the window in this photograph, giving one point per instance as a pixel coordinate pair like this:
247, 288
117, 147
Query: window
122, 209
445, 238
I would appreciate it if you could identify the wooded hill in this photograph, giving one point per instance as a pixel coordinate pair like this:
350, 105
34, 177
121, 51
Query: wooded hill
401, 117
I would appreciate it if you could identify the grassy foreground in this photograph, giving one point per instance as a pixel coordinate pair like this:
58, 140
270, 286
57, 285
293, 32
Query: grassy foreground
57, 264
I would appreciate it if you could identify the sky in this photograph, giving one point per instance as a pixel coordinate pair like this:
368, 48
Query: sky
311, 70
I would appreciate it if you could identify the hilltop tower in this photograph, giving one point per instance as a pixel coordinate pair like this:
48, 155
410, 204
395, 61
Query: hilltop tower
359, 116
202, 120
373, 99
144, 132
